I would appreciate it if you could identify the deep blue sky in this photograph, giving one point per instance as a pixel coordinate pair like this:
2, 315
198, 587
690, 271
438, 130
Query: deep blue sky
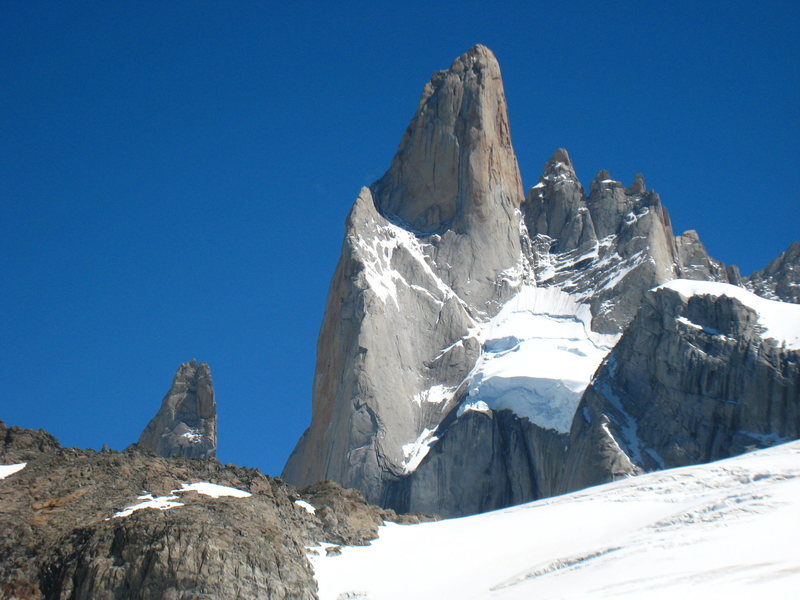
174, 176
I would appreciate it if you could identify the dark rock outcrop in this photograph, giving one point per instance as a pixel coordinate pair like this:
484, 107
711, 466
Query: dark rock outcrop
346, 518
692, 380
186, 423
62, 538
483, 461
780, 279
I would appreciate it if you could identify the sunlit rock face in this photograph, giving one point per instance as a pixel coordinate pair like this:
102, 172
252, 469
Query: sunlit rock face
780, 279
428, 253
465, 322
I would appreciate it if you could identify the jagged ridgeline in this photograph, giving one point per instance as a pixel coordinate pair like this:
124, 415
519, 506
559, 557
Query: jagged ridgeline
465, 323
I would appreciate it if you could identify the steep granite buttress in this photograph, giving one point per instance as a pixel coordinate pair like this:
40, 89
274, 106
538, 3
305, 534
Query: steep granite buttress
425, 255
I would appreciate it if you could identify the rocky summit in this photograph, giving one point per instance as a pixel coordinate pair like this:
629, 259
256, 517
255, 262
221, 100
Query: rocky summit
186, 423
482, 348
108, 525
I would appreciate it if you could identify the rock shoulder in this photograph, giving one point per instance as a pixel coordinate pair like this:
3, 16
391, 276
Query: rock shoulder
691, 381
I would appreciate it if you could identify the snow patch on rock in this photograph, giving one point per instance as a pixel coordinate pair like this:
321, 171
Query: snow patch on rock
6, 470
213, 490
415, 451
205, 488
306, 506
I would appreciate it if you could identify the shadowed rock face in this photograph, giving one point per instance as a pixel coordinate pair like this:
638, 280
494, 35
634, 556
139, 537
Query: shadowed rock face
690, 381
780, 279
186, 424
483, 461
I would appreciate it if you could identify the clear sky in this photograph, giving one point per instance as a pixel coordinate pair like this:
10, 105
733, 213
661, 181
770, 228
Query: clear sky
174, 176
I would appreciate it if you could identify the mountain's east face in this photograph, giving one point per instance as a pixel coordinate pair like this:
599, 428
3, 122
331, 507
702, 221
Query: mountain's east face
186, 423
464, 323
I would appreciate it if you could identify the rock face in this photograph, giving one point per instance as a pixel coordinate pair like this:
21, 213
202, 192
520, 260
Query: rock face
693, 379
483, 460
63, 535
464, 323
455, 174
426, 253
780, 279
186, 423
433, 251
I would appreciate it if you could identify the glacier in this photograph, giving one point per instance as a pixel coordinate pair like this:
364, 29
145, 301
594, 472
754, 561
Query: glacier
721, 530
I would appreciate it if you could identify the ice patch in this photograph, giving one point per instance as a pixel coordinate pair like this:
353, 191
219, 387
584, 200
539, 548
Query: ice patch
436, 394
477, 406
213, 490
376, 255
158, 502
539, 354
193, 436
6, 470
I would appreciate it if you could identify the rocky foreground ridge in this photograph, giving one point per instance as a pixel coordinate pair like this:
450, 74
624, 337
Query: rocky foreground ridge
66, 532
469, 327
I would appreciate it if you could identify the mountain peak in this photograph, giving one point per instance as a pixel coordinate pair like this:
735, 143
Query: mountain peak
638, 186
455, 165
559, 164
478, 55
186, 423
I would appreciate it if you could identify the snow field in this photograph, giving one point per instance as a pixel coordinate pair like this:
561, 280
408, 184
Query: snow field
722, 530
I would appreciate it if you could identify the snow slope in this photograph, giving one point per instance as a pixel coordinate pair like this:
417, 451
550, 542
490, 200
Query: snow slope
722, 530
6, 470
539, 354
780, 320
